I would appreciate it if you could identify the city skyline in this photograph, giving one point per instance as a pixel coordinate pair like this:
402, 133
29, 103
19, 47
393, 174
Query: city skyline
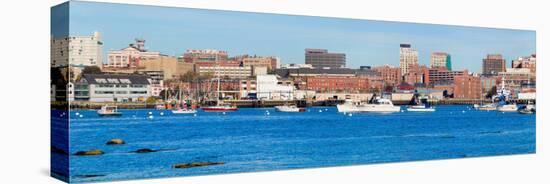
373, 43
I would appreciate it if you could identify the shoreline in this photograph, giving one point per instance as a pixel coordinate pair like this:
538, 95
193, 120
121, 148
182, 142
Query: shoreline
76, 105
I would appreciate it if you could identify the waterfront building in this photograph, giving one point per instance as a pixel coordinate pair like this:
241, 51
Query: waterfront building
493, 64
467, 87
131, 56
229, 69
204, 55
529, 62
77, 51
515, 78
310, 72
171, 67
441, 75
113, 88
338, 84
408, 57
247, 87
390, 74
156, 80
269, 88
488, 83
441, 60
417, 75
321, 58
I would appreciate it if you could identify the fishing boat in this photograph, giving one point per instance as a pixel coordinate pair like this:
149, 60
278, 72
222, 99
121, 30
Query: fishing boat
182, 108
421, 105
108, 110
220, 106
289, 108
378, 105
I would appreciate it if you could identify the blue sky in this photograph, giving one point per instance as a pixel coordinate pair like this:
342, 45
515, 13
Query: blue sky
372, 43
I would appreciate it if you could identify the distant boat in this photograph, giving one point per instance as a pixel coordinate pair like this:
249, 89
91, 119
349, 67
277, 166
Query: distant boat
108, 110
420, 108
219, 107
508, 108
184, 111
378, 105
423, 106
527, 109
485, 107
289, 108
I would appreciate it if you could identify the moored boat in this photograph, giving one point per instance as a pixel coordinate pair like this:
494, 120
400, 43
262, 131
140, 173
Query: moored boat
108, 110
420, 108
378, 105
184, 111
289, 108
486, 107
508, 108
220, 108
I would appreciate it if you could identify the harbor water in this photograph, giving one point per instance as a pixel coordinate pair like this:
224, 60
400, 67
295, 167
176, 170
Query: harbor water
261, 139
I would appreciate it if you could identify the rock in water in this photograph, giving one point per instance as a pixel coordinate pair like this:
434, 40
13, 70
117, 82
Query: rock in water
196, 164
115, 142
144, 150
89, 153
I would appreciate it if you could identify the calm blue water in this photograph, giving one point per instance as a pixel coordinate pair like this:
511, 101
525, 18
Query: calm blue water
251, 140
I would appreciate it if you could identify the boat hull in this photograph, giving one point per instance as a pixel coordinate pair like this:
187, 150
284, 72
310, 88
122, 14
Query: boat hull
184, 111
219, 109
368, 108
421, 109
109, 114
289, 109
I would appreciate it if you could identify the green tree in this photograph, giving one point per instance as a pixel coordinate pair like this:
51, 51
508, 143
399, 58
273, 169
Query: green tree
151, 100
91, 70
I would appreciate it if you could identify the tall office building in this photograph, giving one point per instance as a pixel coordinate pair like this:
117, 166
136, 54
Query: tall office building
407, 57
77, 51
493, 64
321, 58
448, 63
440, 60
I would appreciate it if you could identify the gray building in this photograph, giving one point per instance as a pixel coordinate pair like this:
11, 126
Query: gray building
321, 58
112, 88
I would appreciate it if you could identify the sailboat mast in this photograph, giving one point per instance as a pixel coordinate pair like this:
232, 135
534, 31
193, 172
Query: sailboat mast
218, 94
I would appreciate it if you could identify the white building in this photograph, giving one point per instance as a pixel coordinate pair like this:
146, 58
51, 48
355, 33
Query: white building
77, 51
407, 57
130, 56
267, 87
112, 88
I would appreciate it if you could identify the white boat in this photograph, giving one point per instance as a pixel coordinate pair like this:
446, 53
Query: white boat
289, 108
108, 110
508, 108
379, 105
528, 109
420, 108
486, 107
184, 111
